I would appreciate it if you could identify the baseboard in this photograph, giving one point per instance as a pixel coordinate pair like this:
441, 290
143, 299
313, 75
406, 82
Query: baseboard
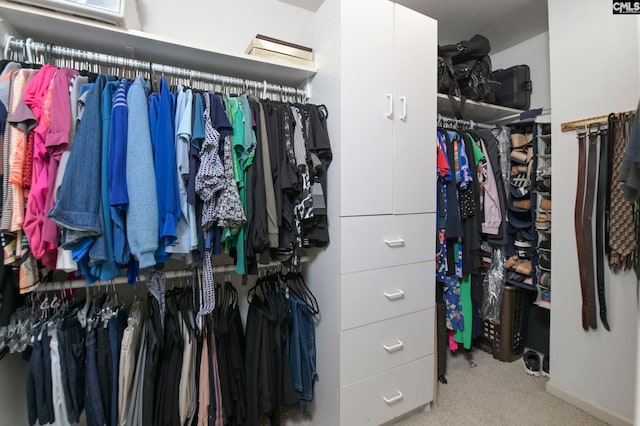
588, 406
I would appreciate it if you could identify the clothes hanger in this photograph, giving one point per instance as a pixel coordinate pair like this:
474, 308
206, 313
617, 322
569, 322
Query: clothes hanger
7, 46
304, 293
253, 290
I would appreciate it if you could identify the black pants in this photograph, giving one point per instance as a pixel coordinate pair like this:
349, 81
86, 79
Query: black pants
39, 397
71, 341
105, 367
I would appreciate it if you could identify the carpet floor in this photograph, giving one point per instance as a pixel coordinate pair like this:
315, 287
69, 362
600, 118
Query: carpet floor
496, 393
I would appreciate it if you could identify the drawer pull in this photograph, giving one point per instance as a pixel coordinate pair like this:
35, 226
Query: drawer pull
394, 348
395, 243
394, 296
391, 401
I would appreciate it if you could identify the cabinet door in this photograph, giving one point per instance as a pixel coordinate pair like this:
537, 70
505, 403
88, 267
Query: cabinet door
366, 86
415, 56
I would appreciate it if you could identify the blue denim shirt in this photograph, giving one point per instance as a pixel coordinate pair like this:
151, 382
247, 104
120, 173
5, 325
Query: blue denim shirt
78, 204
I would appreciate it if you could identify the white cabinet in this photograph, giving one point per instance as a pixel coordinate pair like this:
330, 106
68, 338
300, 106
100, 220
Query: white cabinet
387, 293
374, 242
388, 395
387, 63
415, 81
366, 75
375, 338
375, 348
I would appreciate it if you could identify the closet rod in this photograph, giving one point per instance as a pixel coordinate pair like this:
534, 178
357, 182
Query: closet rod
30, 47
181, 273
578, 124
469, 123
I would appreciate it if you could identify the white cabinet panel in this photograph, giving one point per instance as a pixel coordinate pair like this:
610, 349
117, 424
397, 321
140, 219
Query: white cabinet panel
380, 294
366, 97
377, 347
373, 242
388, 395
415, 54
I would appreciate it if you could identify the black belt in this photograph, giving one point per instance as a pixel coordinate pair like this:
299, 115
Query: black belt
603, 196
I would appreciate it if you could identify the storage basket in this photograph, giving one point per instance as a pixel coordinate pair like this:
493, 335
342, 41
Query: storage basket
509, 337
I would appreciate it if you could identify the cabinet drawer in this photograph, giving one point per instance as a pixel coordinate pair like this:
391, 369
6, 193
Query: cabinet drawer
380, 294
372, 349
373, 242
405, 388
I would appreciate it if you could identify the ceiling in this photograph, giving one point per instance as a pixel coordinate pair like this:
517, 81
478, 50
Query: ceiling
504, 22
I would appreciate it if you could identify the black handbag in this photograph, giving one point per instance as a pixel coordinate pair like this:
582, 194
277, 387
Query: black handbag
464, 69
475, 48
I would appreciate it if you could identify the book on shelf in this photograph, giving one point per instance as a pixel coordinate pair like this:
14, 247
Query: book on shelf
265, 43
270, 54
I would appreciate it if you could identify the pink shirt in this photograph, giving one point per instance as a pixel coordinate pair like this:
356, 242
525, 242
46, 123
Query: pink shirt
38, 96
57, 142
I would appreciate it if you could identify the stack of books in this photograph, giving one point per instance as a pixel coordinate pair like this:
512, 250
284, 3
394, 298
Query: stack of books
271, 48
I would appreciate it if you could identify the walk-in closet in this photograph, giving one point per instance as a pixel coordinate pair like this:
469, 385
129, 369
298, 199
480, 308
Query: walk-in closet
318, 212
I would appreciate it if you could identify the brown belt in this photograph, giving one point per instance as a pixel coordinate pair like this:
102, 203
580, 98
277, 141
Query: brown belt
579, 216
587, 230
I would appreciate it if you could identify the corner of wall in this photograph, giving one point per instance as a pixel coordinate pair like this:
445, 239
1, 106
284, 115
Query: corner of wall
589, 406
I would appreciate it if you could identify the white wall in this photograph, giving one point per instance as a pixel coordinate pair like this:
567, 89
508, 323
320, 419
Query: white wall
226, 25
596, 367
13, 395
535, 53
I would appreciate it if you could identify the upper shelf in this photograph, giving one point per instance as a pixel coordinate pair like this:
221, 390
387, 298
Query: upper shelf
479, 111
65, 30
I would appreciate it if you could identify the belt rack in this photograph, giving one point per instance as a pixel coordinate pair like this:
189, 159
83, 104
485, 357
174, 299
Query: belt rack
586, 122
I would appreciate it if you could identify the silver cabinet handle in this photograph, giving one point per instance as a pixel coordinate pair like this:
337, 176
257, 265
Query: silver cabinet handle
390, 112
395, 243
393, 400
394, 348
394, 296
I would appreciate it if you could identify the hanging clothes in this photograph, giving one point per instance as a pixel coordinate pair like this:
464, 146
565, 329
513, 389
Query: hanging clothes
471, 209
147, 367
235, 175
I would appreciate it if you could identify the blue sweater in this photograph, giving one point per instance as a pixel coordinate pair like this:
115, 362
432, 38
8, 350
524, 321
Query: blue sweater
118, 173
161, 113
142, 215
